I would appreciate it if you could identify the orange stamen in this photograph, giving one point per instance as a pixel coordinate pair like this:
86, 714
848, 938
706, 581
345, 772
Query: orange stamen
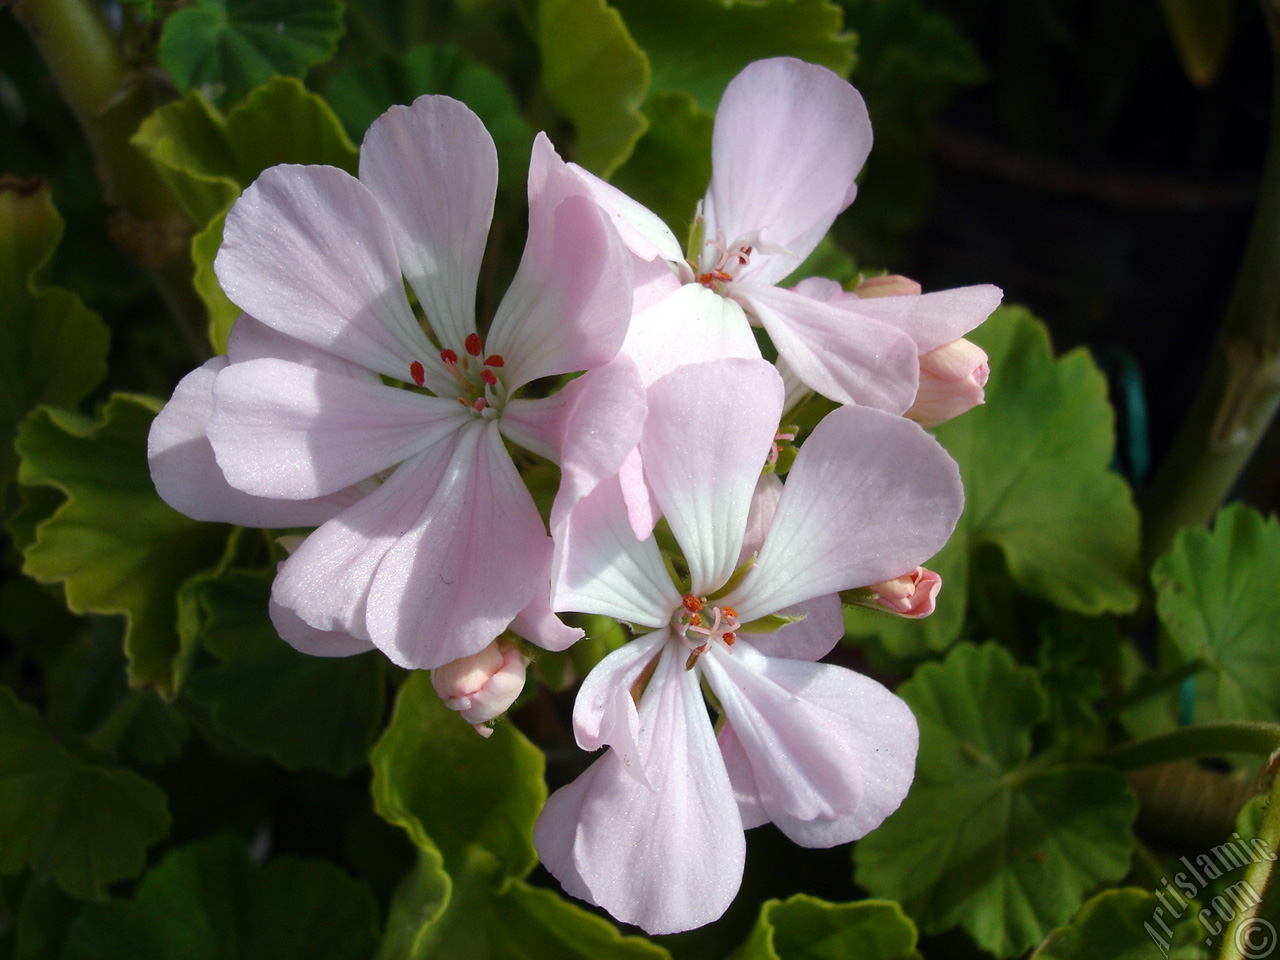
691, 603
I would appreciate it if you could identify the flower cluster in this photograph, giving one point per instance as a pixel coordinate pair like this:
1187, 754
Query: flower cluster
381, 420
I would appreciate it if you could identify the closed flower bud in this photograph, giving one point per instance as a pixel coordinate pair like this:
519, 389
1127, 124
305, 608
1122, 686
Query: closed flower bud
482, 686
952, 379
911, 595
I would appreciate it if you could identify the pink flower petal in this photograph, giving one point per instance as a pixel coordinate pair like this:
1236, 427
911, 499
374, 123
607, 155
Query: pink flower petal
839, 354
668, 858
643, 511
570, 301
307, 250
789, 139
434, 170
473, 560
307, 639
707, 436
930, 319
809, 639
835, 717
537, 624
588, 427
283, 430
604, 713
869, 496
804, 764
326, 580
251, 339
640, 228
188, 478
600, 566
764, 501
691, 325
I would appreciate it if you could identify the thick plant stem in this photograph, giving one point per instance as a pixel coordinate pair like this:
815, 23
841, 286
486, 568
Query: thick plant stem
1202, 740
1241, 392
1247, 936
109, 101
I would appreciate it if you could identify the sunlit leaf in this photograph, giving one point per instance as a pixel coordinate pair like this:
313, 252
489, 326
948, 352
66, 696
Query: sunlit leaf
225, 48
698, 46
53, 349
114, 544
1216, 594
1005, 848
437, 778
806, 928
596, 75
1129, 924
476, 911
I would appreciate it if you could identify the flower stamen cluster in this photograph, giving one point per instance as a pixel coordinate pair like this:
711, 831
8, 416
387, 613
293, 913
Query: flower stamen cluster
689, 619
480, 388
717, 271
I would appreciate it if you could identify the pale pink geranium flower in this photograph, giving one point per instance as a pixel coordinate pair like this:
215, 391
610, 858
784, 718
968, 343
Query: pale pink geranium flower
653, 831
448, 549
790, 139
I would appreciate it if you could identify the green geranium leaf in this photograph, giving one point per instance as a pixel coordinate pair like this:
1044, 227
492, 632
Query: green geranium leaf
1216, 594
43, 918
53, 349
362, 91
209, 901
1034, 460
222, 312
114, 544
81, 824
671, 165
806, 928
596, 75
698, 46
477, 911
1005, 848
208, 159
302, 711
225, 48
1128, 924
437, 778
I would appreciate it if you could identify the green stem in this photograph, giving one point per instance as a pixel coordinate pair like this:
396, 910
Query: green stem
1238, 940
1241, 392
110, 101
1201, 740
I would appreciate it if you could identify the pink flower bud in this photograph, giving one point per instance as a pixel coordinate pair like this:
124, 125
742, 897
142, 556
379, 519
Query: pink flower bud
911, 595
890, 285
482, 686
952, 379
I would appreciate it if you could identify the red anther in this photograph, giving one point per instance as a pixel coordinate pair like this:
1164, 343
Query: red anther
691, 603
729, 638
480, 403
418, 373
493, 360
472, 343
721, 276
449, 357
488, 377
729, 612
